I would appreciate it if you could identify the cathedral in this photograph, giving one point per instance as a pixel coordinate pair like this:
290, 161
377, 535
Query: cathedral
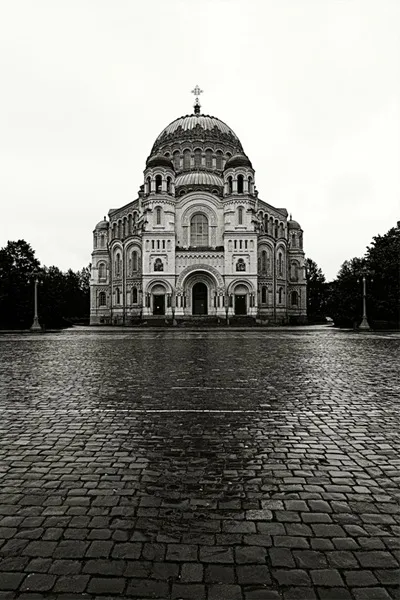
198, 242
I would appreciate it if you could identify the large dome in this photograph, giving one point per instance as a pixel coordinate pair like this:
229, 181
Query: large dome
197, 128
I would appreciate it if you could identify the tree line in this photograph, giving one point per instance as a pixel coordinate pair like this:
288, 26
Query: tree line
63, 297
341, 299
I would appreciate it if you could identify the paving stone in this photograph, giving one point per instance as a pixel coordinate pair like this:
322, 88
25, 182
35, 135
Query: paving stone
370, 593
309, 559
388, 576
38, 582
191, 572
326, 577
182, 552
71, 583
224, 590
14, 563
376, 559
291, 577
186, 591
41, 549
281, 557
70, 549
107, 585
216, 554
342, 559
299, 593
11, 581
261, 593
360, 578
333, 593
250, 555
253, 574
126, 550
99, 549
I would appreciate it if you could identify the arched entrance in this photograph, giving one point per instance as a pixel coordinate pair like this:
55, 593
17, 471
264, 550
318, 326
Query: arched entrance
158, 293
200, 298
240, 300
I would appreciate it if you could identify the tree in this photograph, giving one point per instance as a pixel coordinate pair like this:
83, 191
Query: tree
17, 266
383, 260
316, 292
344, 295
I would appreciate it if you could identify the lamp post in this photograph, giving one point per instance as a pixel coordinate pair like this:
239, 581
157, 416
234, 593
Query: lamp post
364, 326
36, 325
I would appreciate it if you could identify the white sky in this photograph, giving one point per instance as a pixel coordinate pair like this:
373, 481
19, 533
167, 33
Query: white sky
312, 89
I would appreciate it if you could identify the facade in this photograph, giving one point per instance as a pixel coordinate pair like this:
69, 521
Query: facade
198, 241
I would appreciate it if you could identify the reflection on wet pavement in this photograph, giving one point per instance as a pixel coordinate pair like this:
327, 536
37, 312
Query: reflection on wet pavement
220, 464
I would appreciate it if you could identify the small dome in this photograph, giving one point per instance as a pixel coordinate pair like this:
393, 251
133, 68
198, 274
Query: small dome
159, 161
238, 160
103, 224
199, 178
293, 224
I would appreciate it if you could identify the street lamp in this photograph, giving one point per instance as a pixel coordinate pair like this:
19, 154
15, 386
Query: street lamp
36, 325
364, 326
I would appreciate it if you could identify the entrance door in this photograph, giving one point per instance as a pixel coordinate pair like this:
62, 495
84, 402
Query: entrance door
199, 298
240, 304
159, 304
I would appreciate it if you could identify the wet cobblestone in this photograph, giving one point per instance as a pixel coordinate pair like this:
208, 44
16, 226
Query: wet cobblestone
218, 464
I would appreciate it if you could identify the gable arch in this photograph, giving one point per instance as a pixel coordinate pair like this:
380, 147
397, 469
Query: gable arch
200, 267
200, 208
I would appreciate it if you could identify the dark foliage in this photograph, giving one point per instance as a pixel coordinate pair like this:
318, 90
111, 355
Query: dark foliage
63, 298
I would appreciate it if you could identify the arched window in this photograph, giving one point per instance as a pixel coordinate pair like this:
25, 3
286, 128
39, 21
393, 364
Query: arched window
295, 298
102, 299
293, 240
158, 216
219, 160
186, 159
240, 184
158, 265
117, 296
230, 185
280, 264
266, 223
135, 261
158, 184
134, 295
250, 184
168, 185
197, 158
240, 215
294, 274
209, 159
102, 271
240, 265
276, 229
148, 185
264, 294
199, 230
118, 264
280, 291
119, 229
264, 261
177, 160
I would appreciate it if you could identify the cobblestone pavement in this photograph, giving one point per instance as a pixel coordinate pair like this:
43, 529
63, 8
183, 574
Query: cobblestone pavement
218, 465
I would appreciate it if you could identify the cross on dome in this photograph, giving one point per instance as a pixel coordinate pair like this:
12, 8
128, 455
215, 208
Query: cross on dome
197, 91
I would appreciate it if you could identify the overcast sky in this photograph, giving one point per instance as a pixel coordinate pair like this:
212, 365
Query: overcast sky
312, 89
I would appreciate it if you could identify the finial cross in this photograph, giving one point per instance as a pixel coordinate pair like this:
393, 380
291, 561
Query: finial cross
197, 91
